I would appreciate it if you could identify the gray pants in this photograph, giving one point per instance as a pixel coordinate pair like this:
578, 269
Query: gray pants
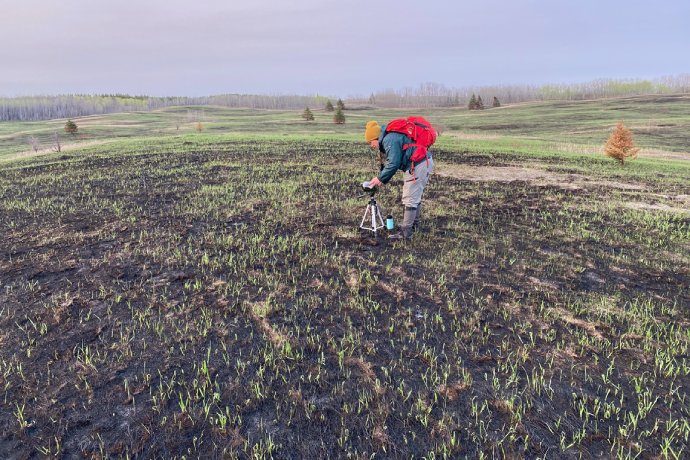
413, 189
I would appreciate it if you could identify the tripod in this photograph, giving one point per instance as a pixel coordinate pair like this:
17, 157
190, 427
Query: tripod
376, 219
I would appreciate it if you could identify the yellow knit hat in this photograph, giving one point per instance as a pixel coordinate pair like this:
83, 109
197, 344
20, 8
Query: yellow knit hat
372, 131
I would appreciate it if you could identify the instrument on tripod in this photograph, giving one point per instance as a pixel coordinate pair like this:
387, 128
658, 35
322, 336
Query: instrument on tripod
372, 220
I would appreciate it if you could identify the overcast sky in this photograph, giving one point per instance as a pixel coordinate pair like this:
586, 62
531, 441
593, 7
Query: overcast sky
331, 47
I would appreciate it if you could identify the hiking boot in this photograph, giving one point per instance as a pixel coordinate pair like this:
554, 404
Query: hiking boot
398, 236
417, 225
405, 232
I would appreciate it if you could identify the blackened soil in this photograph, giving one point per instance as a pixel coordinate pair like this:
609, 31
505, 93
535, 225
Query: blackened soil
216, 303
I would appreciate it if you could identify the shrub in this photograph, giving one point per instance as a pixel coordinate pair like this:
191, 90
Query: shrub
33, 141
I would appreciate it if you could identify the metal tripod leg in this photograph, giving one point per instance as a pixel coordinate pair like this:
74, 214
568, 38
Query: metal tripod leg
375, 216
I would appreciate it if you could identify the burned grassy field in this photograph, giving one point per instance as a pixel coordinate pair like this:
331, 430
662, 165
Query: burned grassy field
213, 297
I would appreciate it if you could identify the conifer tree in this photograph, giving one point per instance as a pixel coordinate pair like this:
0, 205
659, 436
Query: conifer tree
473, 103
340, 104
71, 127
480, 103
339, 117
620, 145
307, 115
496, 102
329, 106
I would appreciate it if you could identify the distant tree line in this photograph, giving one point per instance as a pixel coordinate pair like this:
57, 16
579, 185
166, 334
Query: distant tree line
437, 95
31, 108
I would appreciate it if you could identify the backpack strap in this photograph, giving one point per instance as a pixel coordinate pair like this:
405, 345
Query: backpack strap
426, 158
381, 149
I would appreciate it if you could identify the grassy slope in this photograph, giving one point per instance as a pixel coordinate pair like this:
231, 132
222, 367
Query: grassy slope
657, 122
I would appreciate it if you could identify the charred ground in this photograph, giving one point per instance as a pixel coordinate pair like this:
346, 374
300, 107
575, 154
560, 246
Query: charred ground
213, 297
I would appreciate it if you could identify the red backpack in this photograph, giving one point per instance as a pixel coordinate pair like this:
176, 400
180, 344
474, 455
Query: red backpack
419, 130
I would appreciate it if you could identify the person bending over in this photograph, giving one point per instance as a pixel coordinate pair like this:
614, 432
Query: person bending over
398, 150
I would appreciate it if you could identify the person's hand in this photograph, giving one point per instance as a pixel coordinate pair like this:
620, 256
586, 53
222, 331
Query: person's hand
375, 182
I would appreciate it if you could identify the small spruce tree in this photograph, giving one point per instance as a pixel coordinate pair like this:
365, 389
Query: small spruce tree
480, 103
496, 102
339, 117
307, 115
620, 145
473, 103
71, 127
340, 104
329, 106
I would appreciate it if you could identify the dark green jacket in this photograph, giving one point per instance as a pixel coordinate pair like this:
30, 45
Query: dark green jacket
391, 144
